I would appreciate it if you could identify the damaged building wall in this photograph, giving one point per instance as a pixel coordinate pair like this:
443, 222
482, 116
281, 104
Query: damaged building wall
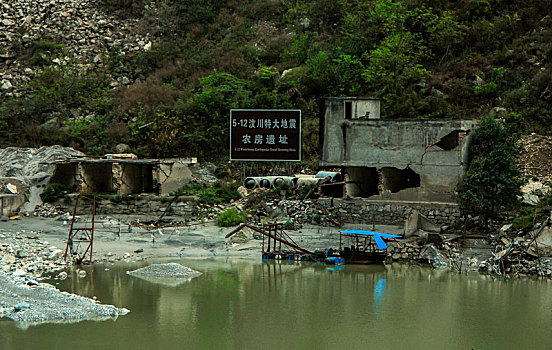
135, 178
65, 174
11, 203
361, 182
172, 175
416, 160
96, 177
124, 176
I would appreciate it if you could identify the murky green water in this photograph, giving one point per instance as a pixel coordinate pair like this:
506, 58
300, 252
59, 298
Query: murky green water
244, 304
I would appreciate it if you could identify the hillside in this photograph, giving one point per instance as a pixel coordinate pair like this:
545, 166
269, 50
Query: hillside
160, 76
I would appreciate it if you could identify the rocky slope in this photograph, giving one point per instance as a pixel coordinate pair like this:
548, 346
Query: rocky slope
77, 31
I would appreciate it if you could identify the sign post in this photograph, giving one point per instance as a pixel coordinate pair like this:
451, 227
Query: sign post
265, 134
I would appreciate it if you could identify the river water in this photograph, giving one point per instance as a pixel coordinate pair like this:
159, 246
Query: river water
246, 304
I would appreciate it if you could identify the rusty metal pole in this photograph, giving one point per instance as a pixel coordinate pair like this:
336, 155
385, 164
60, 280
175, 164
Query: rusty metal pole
87, 235
280, 232
69, 239
93, 221
268, 250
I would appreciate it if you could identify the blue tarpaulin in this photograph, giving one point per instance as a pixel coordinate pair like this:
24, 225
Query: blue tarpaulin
377, 236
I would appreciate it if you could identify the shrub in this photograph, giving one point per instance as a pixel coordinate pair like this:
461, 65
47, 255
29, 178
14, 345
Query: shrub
493, 180
288, 225
216, 193
41, 52
230, 217
54, 192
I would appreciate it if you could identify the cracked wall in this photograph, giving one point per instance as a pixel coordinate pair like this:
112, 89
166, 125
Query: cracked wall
171, 176
435, 150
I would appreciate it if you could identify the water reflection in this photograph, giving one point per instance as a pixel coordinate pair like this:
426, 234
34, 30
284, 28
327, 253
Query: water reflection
243, 304
379, 290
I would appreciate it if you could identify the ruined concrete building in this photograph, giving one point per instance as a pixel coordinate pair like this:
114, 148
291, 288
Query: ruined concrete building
390, 159
123, 175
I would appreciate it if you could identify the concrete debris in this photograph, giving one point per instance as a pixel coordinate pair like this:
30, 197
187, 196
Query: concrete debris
11, 188
533, 191
542, 244
418, 222
434, 256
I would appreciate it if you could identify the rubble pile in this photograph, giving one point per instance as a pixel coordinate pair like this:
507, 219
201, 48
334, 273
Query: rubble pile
23, 253
536, 157
46, 210
518, 257
87, 34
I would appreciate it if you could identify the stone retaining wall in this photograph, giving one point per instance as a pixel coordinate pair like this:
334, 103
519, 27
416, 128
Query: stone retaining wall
184, 206
347, 211
404, 250
367, 211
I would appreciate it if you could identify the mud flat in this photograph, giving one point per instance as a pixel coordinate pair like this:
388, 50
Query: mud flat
27, 302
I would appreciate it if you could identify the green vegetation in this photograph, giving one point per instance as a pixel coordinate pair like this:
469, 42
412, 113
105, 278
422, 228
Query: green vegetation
493, 180
54, 192
423, 58
288, 225
216, 193
230, 217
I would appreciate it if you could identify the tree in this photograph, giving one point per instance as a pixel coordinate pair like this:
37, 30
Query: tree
493, 180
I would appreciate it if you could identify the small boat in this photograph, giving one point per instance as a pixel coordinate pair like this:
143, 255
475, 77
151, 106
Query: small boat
361, 247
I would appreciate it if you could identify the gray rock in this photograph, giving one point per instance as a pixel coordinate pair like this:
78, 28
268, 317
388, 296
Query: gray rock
21, 306
6, 85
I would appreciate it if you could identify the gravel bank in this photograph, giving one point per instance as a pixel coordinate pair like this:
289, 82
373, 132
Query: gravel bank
170, 270
28, 302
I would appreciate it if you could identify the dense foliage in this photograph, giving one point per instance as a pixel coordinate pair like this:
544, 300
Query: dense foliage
230, 217
493, 180
215, 193
423, 58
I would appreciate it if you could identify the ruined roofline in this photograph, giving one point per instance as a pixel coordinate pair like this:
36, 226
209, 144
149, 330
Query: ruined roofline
351, 98
83, 160
415, 120
364, 164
